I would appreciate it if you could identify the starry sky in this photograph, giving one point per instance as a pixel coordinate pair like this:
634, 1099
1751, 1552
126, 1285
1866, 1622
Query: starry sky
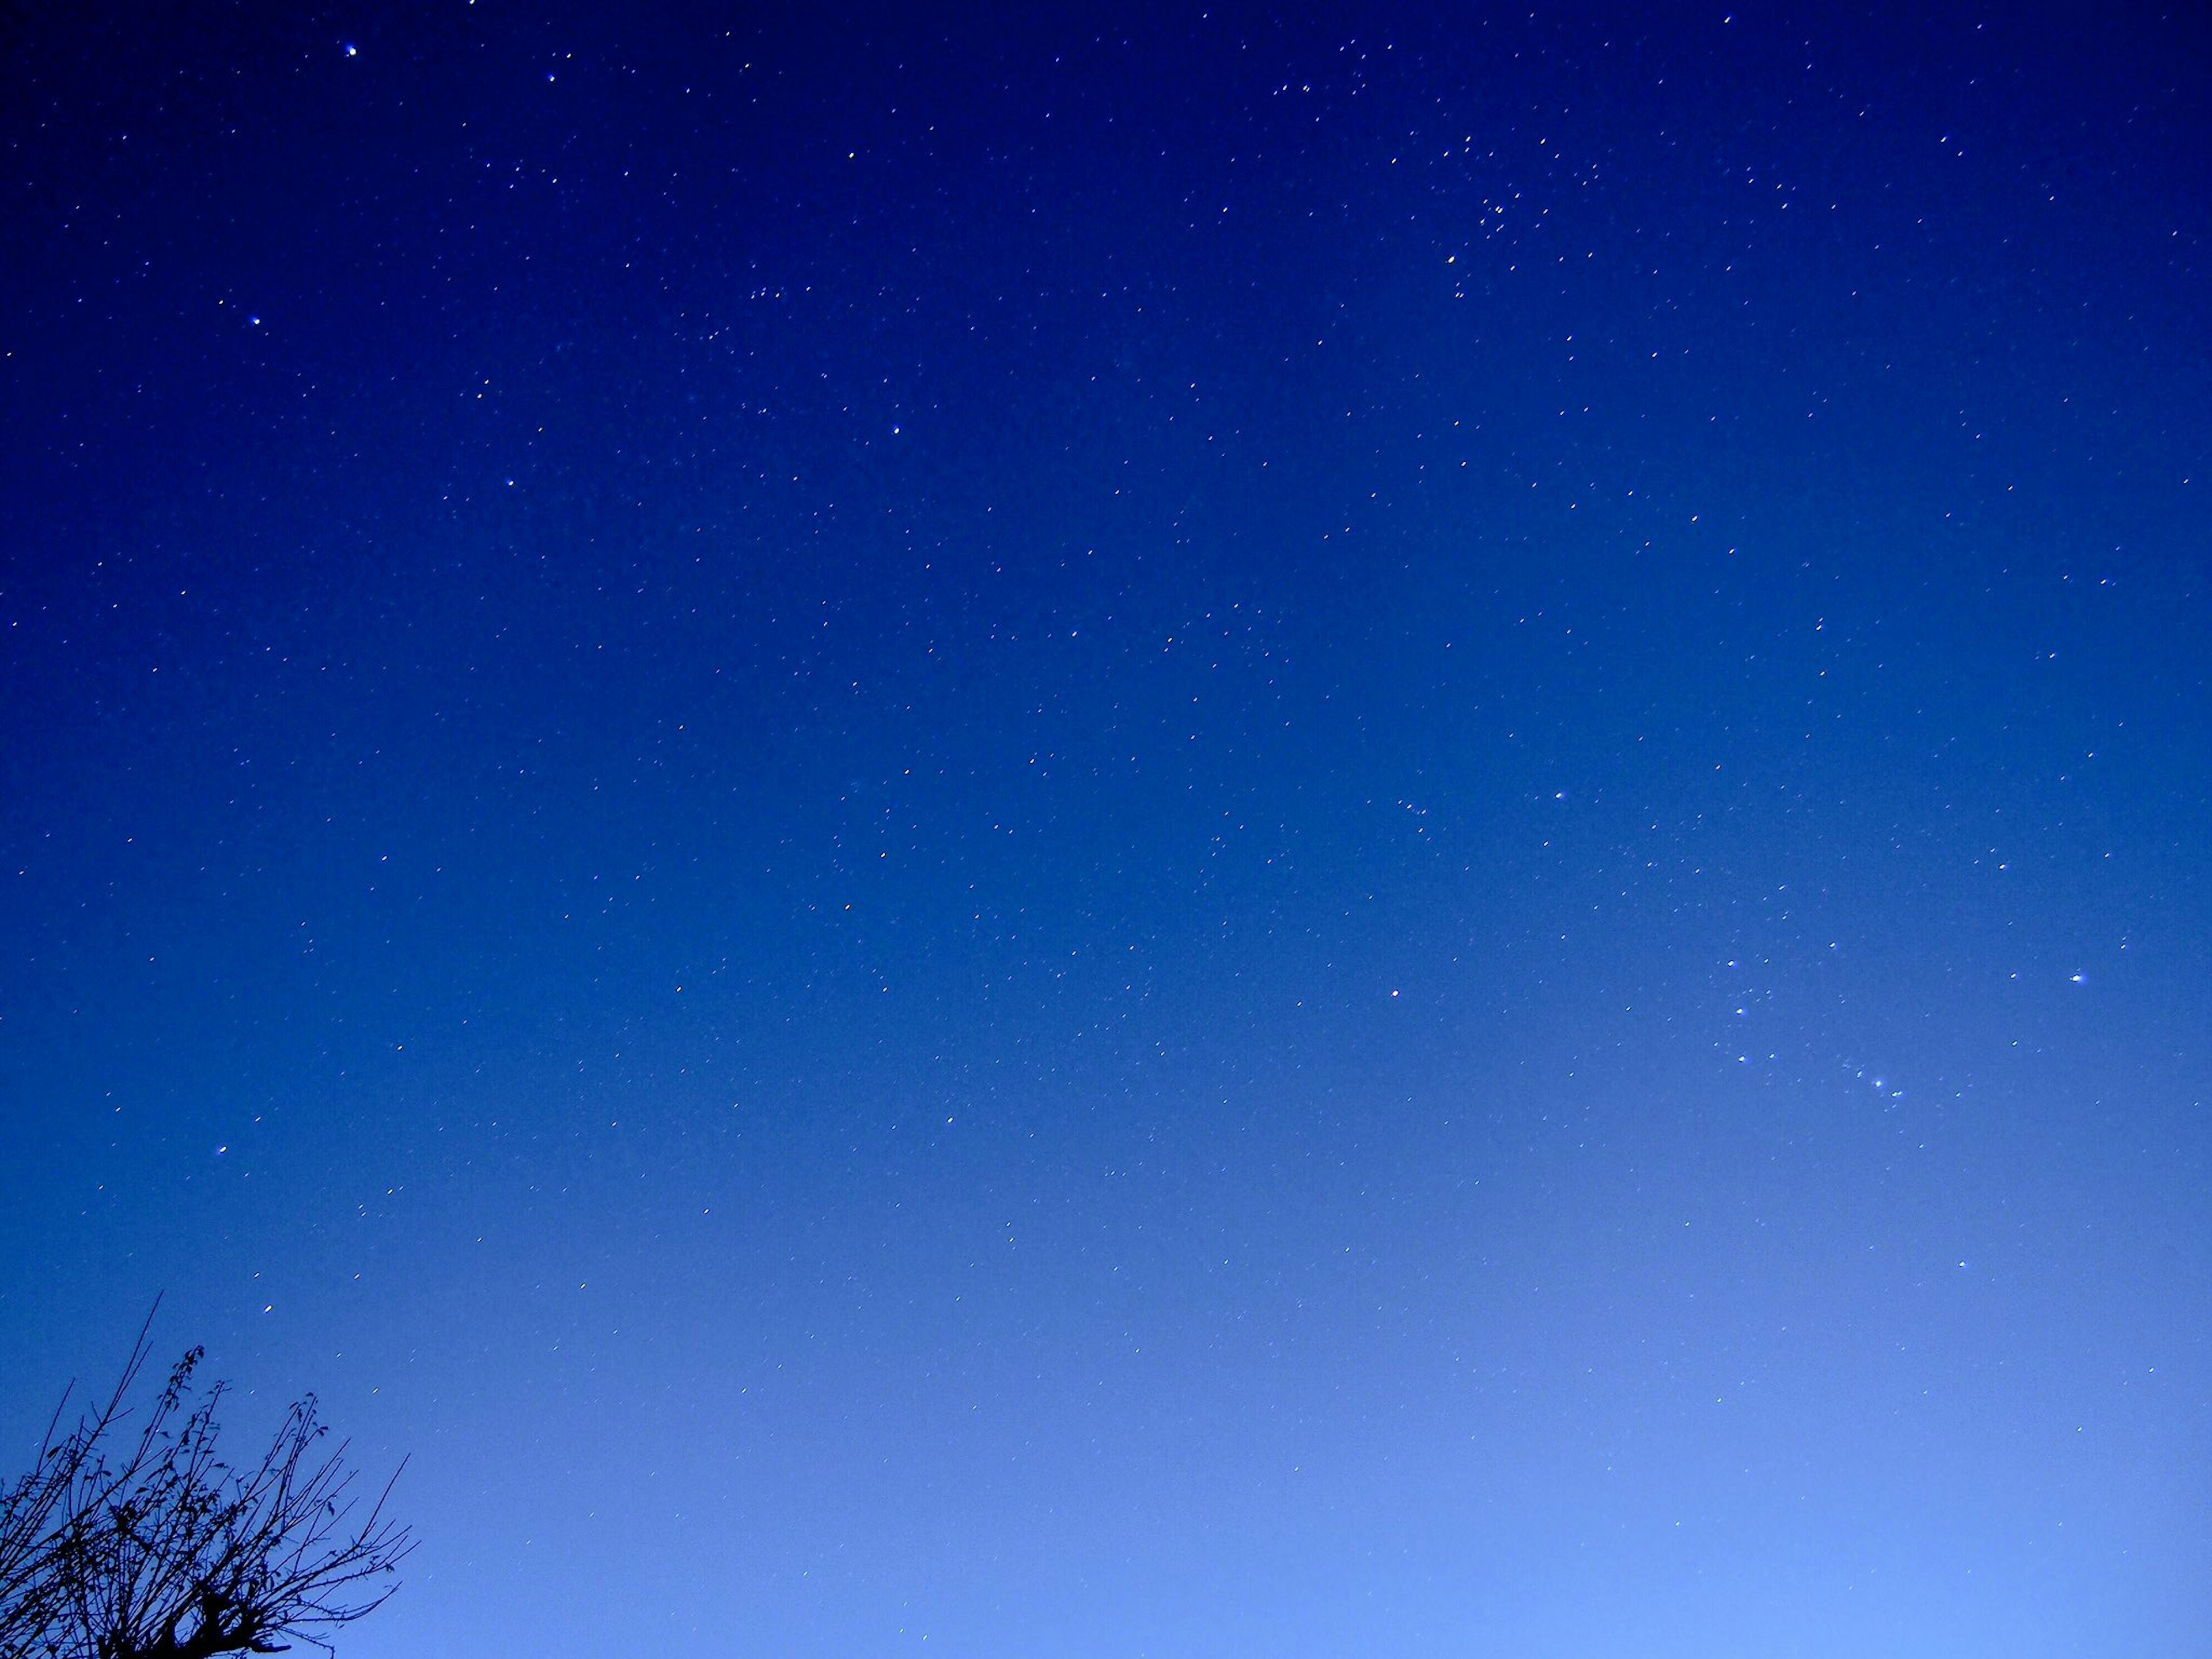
1131, 830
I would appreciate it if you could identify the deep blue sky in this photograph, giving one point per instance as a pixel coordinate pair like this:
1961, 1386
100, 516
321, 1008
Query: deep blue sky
1179, 836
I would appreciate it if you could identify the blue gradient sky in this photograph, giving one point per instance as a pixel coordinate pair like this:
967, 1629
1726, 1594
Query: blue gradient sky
1181, 836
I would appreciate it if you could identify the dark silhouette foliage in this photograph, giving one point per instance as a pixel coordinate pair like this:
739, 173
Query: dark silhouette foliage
152, 1546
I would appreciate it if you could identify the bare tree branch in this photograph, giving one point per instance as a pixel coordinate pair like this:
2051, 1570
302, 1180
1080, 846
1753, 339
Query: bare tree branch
166, 1552
35, 1513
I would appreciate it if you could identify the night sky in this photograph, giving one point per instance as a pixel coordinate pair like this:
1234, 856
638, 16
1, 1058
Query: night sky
1138, 832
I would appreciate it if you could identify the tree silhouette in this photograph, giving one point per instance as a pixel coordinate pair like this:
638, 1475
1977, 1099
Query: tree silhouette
153, 1547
